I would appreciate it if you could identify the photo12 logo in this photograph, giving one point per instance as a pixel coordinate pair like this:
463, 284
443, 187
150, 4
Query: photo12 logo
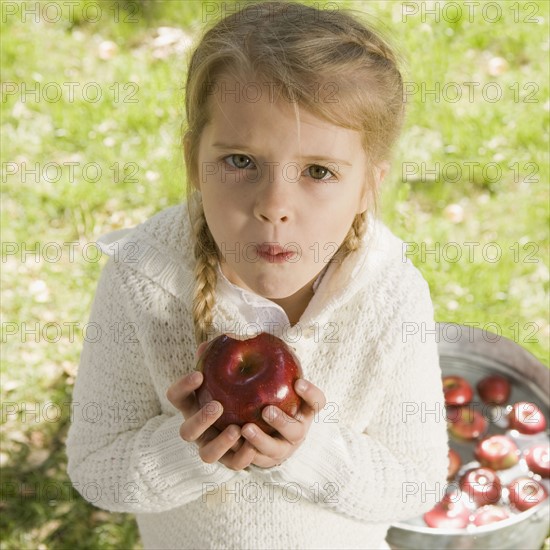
252, 92
71, 11
52, 332
470, 251
252, 492
68, 252
53, 492
328, 332
470, 92
213, 11
69, 92
71, 171
470, 331
453, 172
470, 11
27, 412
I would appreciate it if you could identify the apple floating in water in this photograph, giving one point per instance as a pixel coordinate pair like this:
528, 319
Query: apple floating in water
247, 375
494, 389
538, 459
482, 485
498, 452
526, 492
457, 390
490, 514
526, 418
465, 423
449, 513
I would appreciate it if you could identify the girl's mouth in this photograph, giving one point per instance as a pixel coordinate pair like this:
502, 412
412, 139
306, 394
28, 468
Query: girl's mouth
274, 253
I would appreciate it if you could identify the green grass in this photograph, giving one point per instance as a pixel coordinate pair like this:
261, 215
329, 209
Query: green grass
136, 147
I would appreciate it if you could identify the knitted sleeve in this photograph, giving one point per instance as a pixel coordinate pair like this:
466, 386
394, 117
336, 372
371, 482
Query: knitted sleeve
124, 455
396, 467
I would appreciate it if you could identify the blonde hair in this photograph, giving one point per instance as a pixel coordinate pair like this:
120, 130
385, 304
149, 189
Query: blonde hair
328, 63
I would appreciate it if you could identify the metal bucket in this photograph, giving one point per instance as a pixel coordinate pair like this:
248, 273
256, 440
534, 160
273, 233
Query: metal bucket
474, 354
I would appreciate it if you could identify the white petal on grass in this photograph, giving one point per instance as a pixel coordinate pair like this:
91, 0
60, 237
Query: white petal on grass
170, 41
10, 385
107, 50
20, 110
38, 286
497, 66
454, 213
106, 126
483, 199
150, 175
452, 305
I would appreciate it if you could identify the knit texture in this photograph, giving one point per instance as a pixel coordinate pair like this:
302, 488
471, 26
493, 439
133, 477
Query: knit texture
371, 457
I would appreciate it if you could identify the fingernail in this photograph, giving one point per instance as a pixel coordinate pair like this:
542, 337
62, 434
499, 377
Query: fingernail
270, 413
249, 431
233, 432
213, 407
301, 385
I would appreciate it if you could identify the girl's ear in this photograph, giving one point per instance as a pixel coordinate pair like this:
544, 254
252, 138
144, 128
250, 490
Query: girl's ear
379, 173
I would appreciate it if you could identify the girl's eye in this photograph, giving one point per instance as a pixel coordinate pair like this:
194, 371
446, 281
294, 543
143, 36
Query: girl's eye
318, 172
238, 161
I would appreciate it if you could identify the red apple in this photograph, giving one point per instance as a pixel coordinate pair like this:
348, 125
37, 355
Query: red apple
247, 375
450, 513
498, 452
490, 514
454, 464
482, 486
538, 459
526, 418
465, 423
457, 390
494, 389
526, 492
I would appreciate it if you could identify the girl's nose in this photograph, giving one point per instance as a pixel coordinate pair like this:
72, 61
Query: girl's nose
273, 199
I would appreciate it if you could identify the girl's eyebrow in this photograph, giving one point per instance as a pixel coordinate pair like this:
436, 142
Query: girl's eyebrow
318, 158
229, 146
322, 158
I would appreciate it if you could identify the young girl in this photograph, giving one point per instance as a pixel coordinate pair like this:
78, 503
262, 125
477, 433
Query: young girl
291, 114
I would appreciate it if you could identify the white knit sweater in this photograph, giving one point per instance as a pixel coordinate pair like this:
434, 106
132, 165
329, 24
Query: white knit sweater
364, 455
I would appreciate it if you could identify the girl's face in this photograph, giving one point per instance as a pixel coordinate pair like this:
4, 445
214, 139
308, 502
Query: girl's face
265, 179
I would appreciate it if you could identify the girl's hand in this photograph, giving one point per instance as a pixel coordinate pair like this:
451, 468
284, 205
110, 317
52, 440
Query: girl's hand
227, 446
272, 450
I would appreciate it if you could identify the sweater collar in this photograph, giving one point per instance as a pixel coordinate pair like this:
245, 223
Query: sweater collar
253, 299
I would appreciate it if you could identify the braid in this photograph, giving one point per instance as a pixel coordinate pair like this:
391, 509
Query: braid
207, 258
355, 235
358, 227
